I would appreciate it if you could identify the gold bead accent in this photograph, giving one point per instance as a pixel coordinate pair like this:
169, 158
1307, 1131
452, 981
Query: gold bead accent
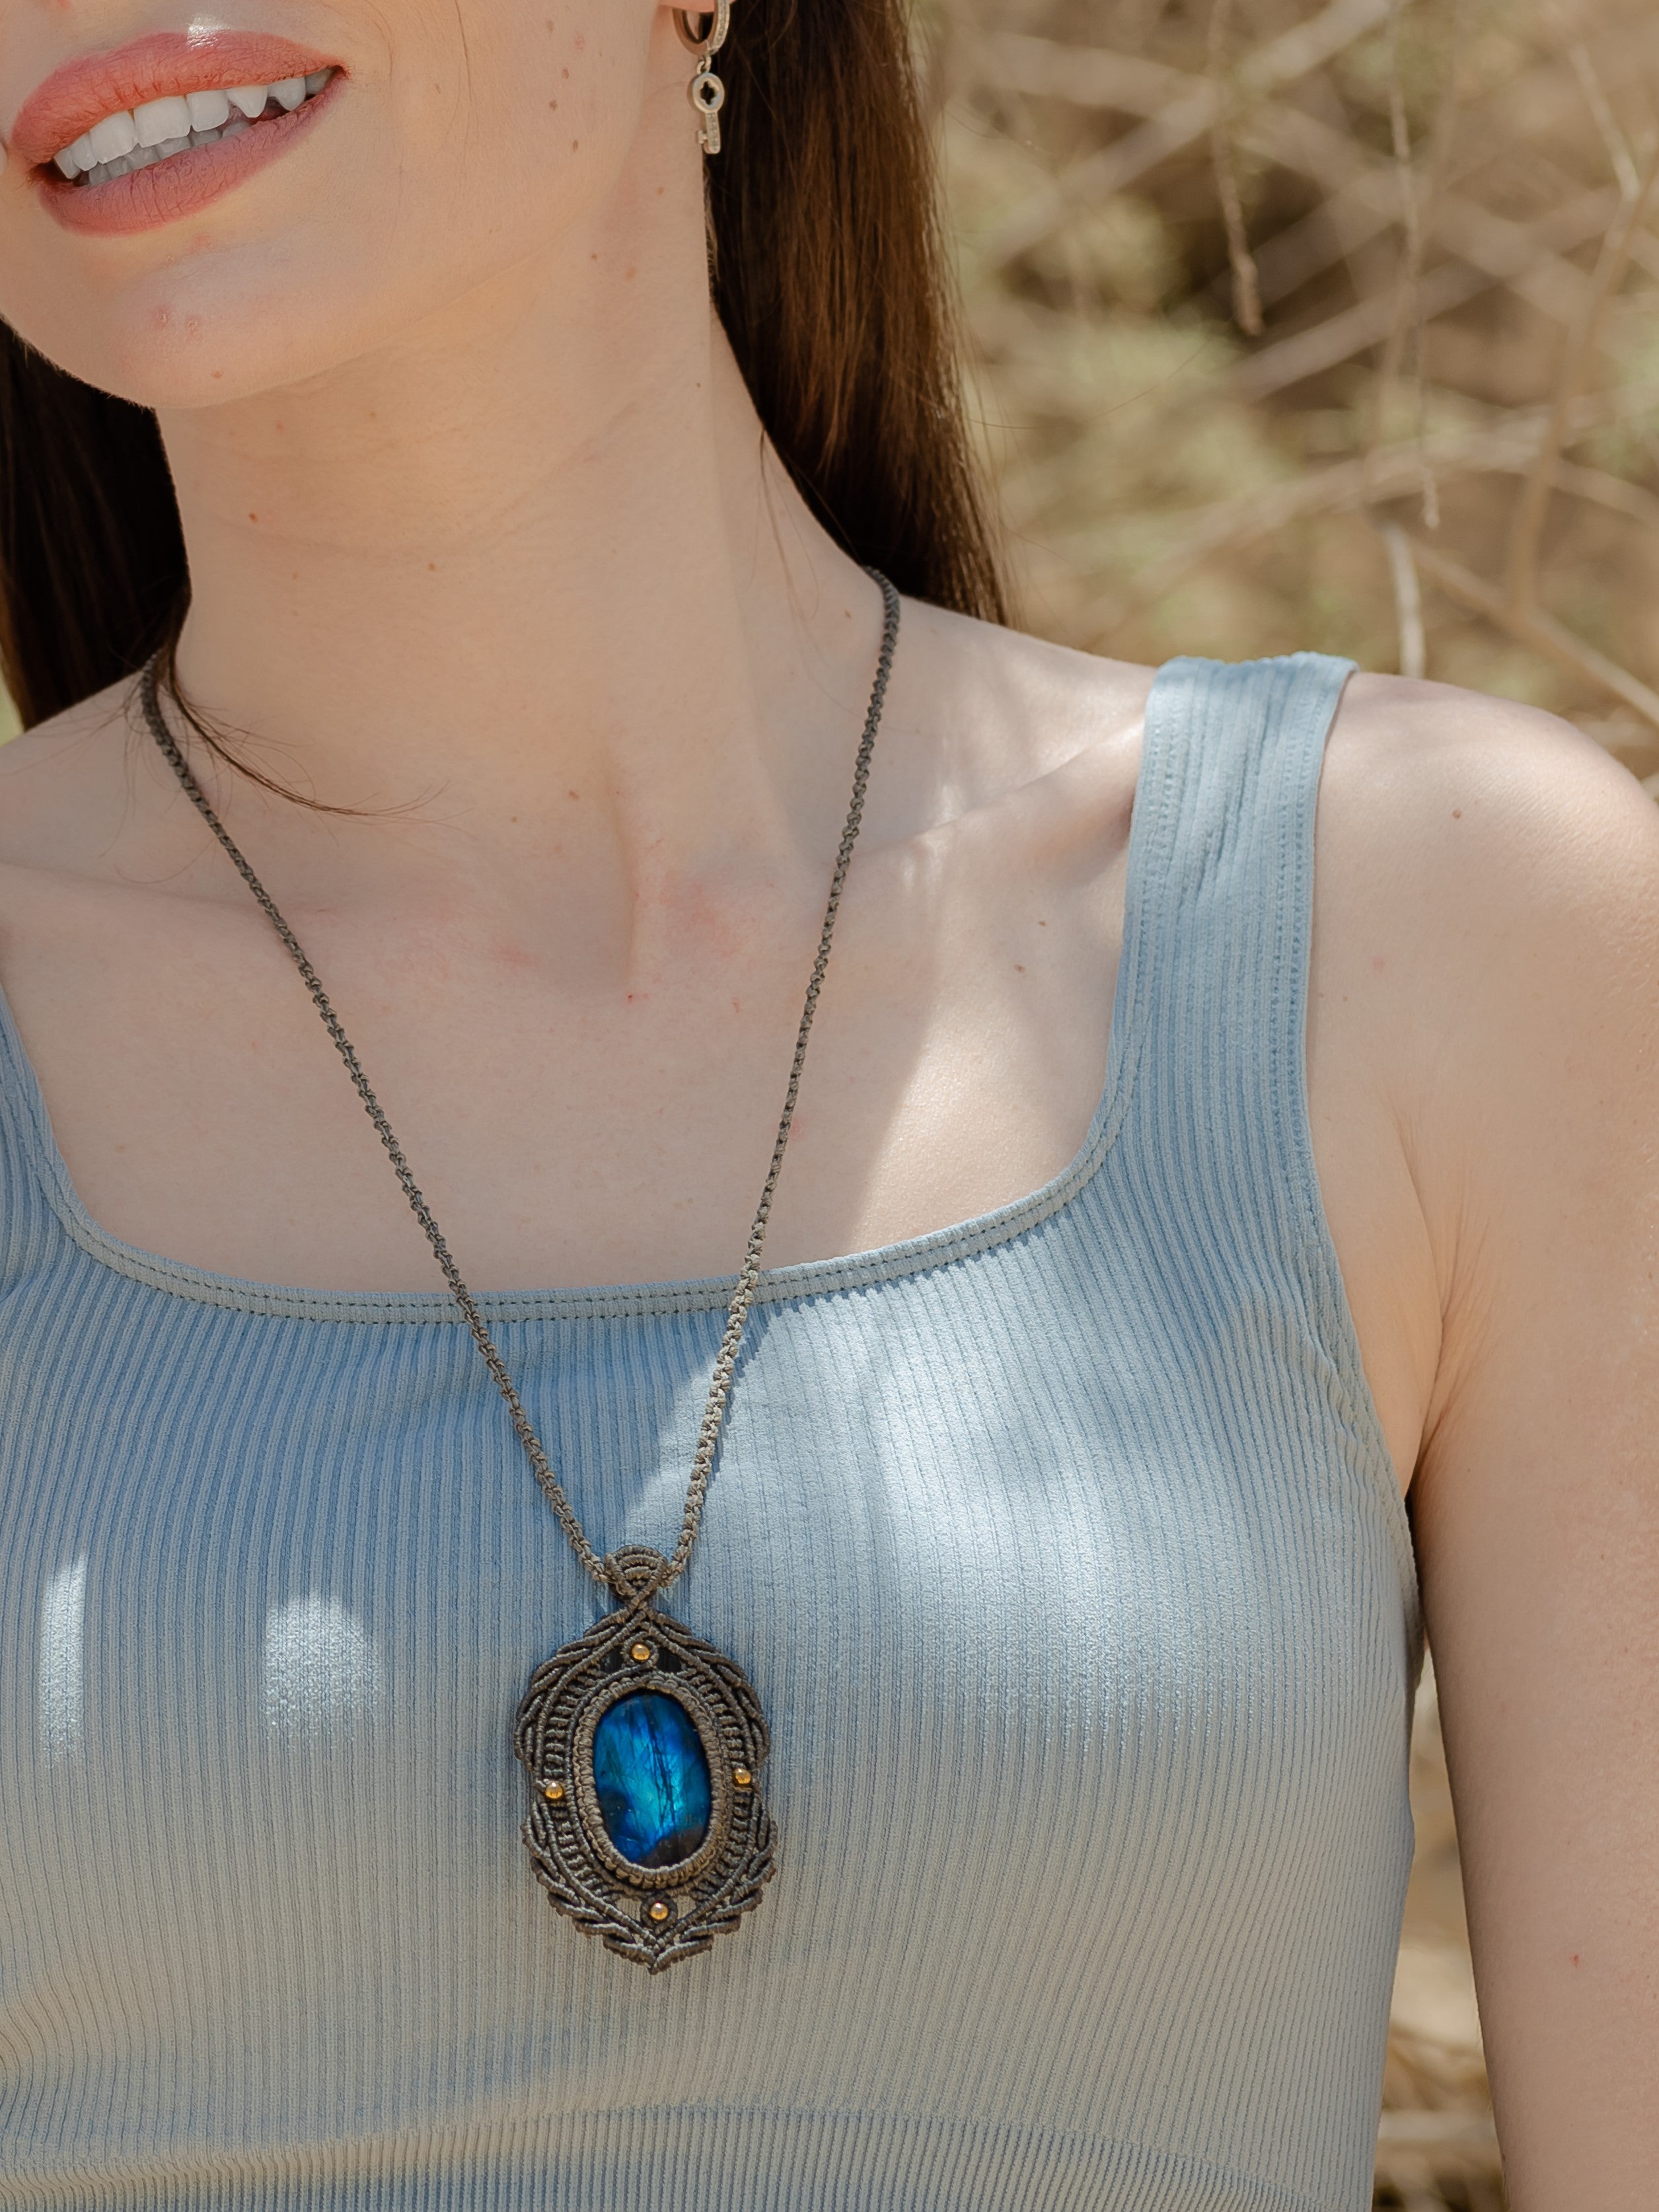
641, 1655
554, 1792
742, 1777
658, 1910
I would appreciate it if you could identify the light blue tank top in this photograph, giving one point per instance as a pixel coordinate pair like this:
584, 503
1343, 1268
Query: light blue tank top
1062, 1545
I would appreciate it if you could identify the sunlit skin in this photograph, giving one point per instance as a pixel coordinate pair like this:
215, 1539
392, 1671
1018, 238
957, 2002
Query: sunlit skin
486, 539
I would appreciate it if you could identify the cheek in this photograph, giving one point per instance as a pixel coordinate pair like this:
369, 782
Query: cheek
436, 173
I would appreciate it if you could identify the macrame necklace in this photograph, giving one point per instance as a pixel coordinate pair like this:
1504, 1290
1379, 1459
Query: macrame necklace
642, 1741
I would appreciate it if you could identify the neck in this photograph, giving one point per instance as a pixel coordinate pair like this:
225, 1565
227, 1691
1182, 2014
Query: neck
538, 547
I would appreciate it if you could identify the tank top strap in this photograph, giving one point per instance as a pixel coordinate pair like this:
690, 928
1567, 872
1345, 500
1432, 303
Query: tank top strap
1218, 931
37, 1202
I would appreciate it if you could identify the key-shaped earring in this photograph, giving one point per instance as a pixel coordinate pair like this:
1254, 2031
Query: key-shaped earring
706, 92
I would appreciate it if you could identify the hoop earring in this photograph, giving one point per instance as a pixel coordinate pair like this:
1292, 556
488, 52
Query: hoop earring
706, 92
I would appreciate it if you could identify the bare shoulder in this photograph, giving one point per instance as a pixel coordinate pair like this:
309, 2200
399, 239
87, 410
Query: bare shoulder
1486, 971
1487, 849
1471, 799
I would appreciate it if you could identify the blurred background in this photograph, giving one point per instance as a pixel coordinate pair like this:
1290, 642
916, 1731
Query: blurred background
1336, 323
1324, 323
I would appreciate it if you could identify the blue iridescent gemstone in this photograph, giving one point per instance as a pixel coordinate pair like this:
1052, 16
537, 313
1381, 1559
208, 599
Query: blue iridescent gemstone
651, 1773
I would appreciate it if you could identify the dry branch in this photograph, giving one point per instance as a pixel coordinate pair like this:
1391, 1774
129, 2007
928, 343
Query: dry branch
1188, 118
1521, 578
1247, 293
1407, 601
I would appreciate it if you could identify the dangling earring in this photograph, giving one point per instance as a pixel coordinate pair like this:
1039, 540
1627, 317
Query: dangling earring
705, 93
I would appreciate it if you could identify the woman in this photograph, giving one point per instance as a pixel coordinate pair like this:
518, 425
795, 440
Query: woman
1180, 1179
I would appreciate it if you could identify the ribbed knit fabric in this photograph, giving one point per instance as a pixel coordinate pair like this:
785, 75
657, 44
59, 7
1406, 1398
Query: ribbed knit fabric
1062, 1545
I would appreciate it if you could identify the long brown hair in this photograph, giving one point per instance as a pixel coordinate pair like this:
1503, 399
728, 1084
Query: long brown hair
829, 276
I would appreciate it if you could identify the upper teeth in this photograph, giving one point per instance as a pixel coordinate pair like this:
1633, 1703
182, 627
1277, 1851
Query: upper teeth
131, 138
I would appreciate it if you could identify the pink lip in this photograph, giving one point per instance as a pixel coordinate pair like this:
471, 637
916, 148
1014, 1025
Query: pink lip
80, 94
83, 92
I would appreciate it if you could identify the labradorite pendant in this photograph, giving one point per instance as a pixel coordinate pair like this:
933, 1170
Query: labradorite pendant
644, 1745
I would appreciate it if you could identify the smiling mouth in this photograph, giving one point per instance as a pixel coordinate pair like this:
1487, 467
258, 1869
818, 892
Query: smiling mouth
161, 129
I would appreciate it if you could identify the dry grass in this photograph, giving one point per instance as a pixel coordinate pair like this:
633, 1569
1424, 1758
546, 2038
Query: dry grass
1331, 323
1439, 453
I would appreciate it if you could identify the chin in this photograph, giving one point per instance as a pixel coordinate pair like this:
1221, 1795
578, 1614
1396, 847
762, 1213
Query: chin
221, 327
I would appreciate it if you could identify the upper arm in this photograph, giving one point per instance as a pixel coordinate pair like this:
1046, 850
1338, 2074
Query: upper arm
1514, 875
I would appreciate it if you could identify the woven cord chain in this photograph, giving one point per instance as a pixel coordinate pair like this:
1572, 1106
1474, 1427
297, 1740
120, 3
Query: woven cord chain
719, 1388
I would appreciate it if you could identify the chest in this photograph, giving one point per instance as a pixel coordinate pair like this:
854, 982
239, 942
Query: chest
564, 1128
